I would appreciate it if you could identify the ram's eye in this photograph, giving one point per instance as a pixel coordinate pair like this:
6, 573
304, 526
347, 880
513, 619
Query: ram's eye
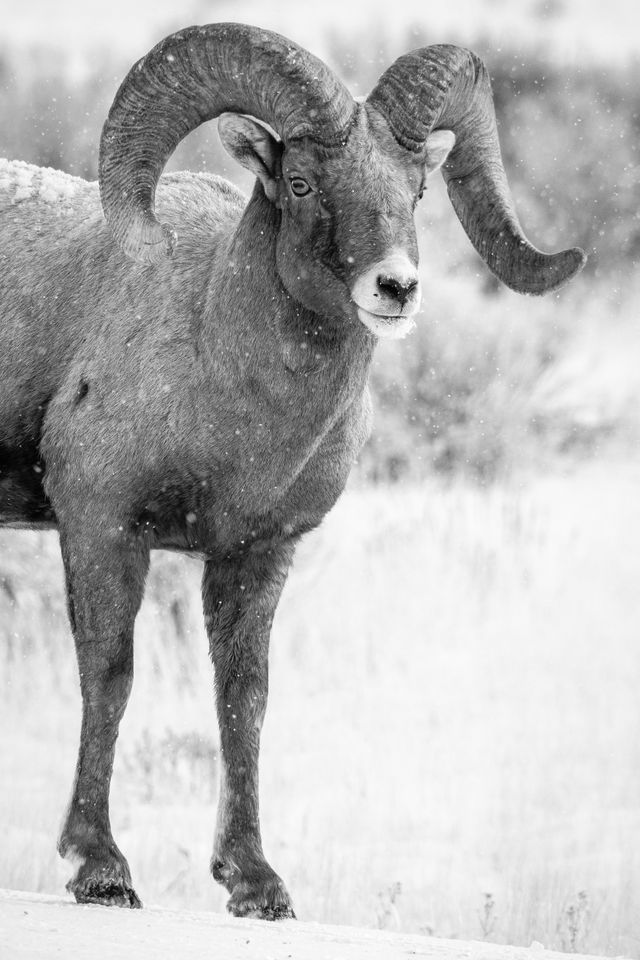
299, 187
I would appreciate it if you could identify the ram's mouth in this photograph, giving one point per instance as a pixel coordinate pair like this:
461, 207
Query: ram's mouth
387, 328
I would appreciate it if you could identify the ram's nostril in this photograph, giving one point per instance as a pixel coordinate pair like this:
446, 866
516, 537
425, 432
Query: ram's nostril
400, 290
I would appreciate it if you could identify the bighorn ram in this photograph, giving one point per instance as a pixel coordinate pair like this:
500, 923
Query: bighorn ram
205, 389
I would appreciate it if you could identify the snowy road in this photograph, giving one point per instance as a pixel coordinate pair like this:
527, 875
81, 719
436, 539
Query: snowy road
39, 927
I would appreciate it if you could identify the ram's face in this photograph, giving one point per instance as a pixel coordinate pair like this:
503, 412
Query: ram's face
347, 243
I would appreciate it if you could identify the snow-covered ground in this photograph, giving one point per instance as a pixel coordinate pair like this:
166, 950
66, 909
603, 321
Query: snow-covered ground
40, 928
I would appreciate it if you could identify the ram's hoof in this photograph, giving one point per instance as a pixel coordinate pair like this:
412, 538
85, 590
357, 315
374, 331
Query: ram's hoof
262, 901
109, 893
107, 883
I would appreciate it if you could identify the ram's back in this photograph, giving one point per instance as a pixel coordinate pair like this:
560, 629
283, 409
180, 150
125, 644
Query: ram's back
67, 291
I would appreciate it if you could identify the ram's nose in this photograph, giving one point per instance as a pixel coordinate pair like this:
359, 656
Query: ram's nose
390, 287
387, 295
401, 287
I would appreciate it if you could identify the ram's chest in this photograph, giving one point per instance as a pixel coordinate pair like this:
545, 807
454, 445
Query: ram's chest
256, 470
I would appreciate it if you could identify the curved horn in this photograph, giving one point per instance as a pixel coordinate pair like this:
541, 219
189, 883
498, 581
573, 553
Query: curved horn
193, 76
447, 87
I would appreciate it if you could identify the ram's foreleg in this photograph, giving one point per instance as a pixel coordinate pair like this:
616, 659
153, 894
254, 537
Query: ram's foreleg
240, 598
105, 570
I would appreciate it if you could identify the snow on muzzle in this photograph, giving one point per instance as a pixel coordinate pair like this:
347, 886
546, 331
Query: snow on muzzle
387, 296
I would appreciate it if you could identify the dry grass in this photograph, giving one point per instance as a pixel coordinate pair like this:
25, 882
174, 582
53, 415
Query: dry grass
453, 713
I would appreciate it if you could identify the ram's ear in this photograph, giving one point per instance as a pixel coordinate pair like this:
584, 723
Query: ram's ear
254, 147
437, 148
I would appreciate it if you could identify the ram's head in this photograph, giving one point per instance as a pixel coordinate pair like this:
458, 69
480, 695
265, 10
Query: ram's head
344, 176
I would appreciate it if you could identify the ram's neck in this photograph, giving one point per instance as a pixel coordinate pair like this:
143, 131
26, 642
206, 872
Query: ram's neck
273, 369
247, 290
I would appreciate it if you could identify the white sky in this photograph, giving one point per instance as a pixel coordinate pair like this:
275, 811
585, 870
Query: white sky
605, 29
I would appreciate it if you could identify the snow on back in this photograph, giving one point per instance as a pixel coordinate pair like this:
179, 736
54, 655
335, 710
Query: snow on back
22, 181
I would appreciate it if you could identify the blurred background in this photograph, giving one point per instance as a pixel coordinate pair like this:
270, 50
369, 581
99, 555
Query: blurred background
452, 738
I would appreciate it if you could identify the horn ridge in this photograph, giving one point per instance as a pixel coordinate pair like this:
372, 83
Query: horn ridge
447, 87
412, 93
193, 76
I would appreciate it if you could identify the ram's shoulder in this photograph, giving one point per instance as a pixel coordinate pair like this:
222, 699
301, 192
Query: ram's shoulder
28, 186
198, 195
